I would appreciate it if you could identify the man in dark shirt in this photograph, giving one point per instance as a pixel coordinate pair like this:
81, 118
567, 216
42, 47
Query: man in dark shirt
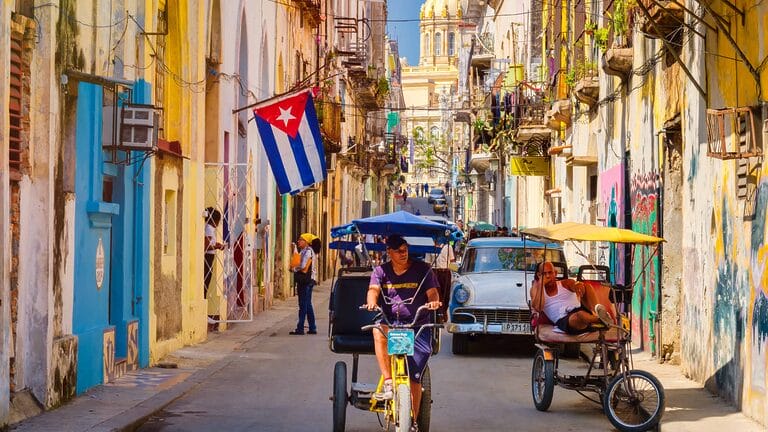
402, 279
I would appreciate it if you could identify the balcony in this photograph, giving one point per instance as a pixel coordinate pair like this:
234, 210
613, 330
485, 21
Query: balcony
482, 53
329, 115
560, 113
666, 16
618, 61
311, 9
587, 90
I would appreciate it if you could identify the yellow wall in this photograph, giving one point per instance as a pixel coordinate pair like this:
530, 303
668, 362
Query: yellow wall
184, 100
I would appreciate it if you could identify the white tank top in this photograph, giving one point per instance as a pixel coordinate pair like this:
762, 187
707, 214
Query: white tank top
558, 305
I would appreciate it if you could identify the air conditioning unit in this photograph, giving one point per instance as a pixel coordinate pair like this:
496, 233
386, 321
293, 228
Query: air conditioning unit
330, 162
138, 128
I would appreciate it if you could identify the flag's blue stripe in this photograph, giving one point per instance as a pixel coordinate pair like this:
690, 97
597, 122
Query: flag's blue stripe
302, 163
270, 146
314, 125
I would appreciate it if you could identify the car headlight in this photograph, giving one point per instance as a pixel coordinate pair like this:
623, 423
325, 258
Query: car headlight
460, 294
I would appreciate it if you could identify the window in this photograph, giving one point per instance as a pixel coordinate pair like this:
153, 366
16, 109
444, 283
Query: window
451, 44
426, 45
508, 258
438, 44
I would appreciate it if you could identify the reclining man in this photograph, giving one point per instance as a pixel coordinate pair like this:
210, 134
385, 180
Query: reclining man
568, 303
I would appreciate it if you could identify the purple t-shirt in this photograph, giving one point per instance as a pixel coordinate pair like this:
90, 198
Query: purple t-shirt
403, 287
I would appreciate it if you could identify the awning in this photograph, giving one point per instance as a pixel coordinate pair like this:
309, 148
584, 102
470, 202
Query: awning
585, 232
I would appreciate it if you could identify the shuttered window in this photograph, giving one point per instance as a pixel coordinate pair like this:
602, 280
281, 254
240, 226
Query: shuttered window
14, 106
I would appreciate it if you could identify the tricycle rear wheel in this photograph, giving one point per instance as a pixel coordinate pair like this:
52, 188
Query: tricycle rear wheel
339, 396
542, 381
634, 402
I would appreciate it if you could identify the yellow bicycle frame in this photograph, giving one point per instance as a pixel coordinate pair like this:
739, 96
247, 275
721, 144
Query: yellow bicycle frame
399, 367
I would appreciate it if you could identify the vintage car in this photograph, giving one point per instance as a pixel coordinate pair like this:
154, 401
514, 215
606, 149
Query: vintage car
490, 294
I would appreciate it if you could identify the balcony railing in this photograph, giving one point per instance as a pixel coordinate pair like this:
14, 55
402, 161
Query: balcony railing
311, 8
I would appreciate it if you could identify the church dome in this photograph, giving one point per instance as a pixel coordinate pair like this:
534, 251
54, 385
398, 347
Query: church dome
441, 8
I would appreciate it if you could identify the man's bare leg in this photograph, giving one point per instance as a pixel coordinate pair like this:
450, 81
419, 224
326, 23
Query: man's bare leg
380, 342
581, 320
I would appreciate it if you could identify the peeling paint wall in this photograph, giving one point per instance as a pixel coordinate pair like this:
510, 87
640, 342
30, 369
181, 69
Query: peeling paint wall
724, 308
5, 223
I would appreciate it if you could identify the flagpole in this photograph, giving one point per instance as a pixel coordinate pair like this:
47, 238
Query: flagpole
278, 97
284, 95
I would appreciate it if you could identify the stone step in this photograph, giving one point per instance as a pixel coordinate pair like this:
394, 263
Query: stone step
121, 367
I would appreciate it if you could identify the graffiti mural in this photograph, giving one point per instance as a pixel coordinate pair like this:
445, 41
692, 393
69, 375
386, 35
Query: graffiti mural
759, 276
612, 202
729, 320
644, 190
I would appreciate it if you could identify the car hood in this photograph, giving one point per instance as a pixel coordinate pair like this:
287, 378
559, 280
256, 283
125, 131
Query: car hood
500, 288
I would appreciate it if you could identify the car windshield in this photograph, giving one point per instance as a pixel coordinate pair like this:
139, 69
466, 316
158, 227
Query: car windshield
488, 259
437, 192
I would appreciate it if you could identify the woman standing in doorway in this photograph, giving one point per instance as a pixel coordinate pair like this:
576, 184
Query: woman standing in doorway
212, 219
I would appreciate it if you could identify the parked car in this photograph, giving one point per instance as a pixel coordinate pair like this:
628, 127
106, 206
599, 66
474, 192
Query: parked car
435, 194
440, 206
490, 294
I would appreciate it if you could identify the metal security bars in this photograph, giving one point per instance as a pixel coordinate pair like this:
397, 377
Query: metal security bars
229, 189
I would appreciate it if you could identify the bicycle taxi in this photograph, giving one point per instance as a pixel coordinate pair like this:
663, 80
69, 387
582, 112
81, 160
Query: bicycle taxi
350, 326
633, 400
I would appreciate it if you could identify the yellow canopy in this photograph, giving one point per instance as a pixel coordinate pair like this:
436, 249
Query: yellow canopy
586, 232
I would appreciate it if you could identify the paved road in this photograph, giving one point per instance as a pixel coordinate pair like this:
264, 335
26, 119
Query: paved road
278, 382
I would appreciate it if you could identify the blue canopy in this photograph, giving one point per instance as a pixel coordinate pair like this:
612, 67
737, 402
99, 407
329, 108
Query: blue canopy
400, 222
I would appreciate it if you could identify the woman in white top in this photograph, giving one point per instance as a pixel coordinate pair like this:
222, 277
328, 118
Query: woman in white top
212, 219
305, 276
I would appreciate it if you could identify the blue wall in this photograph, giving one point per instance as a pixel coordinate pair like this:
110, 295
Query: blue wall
124, 223
92, 222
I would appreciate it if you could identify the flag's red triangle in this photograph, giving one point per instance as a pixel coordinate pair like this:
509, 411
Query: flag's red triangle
285, 114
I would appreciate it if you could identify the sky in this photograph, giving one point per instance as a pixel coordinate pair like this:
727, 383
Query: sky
406, 33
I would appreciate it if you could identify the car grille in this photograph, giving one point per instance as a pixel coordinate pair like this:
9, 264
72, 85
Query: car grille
498, 316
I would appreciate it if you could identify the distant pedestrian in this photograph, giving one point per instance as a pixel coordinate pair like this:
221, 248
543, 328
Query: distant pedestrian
211, 245
418, 212
305, 276
447, 187
405, 196
426, 189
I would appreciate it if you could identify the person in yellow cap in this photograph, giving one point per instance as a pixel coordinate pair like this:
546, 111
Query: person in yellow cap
305, 276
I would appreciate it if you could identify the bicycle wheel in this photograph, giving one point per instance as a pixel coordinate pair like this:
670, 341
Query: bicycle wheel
542, 381
403, 408
634, 402
339, 396
425, 407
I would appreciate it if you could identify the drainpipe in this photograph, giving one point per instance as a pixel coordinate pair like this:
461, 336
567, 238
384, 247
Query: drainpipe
656, 347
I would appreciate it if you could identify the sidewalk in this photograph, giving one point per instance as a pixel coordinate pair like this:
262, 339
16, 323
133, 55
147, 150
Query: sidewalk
689, 407
128, 402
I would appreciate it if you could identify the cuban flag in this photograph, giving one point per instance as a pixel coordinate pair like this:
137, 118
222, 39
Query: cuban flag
291, 137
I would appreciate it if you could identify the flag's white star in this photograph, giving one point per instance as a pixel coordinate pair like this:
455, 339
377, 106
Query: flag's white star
286, 116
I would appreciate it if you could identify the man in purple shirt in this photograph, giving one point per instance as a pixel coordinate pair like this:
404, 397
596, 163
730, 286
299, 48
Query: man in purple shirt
402, 279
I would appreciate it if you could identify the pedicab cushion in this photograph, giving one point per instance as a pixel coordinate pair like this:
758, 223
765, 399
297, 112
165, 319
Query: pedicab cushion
547, 333
346, 337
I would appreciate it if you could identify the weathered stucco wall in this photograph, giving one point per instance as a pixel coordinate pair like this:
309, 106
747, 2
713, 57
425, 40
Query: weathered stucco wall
5, 225
725, 310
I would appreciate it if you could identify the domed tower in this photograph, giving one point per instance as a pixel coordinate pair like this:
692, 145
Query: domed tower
439, 26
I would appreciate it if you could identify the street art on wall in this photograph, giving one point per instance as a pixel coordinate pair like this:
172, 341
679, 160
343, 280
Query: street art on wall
645, 300
759, 279
612, 203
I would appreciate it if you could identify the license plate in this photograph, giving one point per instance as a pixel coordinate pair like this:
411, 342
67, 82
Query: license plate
516, 328
400, 341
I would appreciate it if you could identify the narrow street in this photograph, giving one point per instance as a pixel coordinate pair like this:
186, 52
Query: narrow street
279, 382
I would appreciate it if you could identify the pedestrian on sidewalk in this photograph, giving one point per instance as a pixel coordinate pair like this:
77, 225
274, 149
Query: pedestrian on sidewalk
305, 277
212, 219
